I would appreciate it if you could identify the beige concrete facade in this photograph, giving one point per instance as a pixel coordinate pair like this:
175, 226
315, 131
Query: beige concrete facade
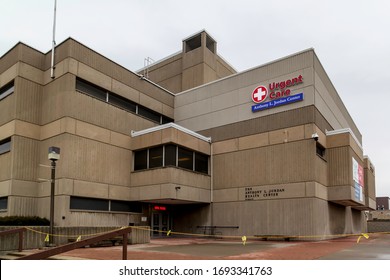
295, 169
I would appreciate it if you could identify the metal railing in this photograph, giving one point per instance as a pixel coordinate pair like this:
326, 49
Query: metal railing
78, 244
19, 231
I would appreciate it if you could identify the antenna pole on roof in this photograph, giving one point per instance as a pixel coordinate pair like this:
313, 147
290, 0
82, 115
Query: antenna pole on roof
147, 62
54, 41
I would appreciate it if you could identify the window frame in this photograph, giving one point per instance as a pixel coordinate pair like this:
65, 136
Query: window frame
7, 90
4, 201
7, 144
171, 152
99, 93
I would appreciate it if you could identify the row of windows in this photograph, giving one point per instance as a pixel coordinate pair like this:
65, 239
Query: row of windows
95, 204
171, 155
5, 146
119, 101
6, 90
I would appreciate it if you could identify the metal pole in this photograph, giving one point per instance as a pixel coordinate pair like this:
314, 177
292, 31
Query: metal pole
52, 75
53, 178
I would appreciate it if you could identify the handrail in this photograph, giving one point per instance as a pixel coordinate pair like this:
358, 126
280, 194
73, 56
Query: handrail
13, 231
78, 244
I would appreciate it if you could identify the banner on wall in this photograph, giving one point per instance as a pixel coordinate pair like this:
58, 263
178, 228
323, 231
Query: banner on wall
358, 178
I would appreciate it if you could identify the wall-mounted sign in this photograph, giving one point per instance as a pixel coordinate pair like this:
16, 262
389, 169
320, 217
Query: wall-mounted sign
270, 192
160, 208
256, 193
277, 94
358, 178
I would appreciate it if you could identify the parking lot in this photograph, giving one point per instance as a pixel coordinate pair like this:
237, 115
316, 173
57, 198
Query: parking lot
377, 246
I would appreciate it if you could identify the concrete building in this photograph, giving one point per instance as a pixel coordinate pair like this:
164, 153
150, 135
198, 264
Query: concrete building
186, 144
382, 203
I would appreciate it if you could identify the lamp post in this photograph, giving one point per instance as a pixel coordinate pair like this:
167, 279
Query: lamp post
54, 155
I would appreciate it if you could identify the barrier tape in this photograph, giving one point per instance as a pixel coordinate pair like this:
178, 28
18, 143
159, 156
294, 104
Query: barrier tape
244, 238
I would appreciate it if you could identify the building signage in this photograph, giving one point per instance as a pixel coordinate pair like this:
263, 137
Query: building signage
358, 179
278, 102
253, 193
278, 94
267, 192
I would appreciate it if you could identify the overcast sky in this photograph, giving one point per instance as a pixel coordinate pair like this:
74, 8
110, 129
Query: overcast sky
351, 39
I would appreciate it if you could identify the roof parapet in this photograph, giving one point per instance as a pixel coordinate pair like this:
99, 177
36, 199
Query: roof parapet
170, 125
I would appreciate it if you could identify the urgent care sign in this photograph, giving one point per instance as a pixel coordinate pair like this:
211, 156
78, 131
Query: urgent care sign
276, 94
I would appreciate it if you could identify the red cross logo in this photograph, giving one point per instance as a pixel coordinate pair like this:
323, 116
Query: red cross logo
259, 94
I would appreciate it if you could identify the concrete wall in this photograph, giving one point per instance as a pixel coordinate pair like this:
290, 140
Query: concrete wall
299, 218
94, 137
228, 100
189, 69
35, 236
379, 226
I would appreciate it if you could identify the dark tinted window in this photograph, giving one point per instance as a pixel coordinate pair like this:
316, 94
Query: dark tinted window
156, 157
91, 89
121, 102
126, 206
185, 158
320, 150
166, 120
82, 203
3, 203
149, 114
170, 155
5, 146
140, 160
201, 163
6, 90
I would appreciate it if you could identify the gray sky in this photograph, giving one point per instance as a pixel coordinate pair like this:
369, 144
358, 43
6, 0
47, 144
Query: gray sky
351, 39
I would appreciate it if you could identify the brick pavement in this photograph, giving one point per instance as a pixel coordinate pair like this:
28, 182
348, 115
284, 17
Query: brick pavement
209, 249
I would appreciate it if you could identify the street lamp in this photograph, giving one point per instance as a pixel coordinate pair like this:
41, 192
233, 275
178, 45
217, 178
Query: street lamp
54, 155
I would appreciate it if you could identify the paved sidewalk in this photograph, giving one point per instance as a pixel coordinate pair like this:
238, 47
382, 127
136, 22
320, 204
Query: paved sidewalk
376, 247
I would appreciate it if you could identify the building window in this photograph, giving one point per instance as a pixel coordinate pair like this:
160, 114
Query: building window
6, 90
122, 103
5, 146
149, 114
91, 89
170, 155
320, 150
156, 157
125, 206
185, 158
95, 204
201, 163
3, 203
165, 120
141, 160
119, 101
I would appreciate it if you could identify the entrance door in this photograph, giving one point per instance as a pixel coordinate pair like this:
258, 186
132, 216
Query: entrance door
160, 223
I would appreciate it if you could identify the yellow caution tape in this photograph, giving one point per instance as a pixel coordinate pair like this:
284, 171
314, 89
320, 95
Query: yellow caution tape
365, 235
243, 238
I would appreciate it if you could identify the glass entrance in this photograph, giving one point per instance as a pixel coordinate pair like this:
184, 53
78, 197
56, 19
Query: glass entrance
160, 223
